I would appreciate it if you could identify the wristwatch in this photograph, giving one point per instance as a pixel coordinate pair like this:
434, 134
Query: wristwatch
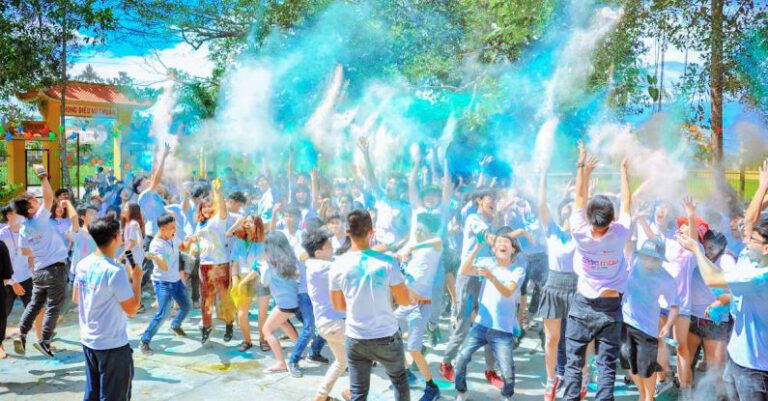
580, 165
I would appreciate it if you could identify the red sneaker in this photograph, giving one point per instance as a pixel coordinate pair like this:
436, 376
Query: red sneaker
494, 379
550, 391
583, 391
447, 370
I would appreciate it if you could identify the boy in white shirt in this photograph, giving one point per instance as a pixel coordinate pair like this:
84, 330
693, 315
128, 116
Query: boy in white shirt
495, 323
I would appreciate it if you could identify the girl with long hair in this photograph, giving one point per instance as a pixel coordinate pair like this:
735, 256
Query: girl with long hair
132, 222
210, 239
247, 255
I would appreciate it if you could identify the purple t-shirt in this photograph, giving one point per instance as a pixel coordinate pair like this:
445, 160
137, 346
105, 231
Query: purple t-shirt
680, 264
599, 262
560, 249
641, 307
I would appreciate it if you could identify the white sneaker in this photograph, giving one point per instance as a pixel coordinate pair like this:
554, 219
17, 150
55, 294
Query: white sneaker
462, 396
662, 386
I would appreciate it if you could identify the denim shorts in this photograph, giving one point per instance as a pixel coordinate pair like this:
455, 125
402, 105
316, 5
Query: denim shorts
708, 330
413, 320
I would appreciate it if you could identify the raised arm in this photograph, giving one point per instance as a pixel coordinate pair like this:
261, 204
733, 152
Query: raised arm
752, 215
467, 267
712, 275
370, 175
218, 199
690, 212
413, 191
73, 217
626, 191
236, 226
544, 214
157, 175
313, 189
580, 200
48, 195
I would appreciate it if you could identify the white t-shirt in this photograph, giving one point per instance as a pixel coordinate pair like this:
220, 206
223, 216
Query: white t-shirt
365, 278
680, 265
213, 241
599, 262
20, 263
560, 249
152, 207
494, 310
319, 292
46, 244
102, 285
749, 339
133, 232
421, 269
169, 250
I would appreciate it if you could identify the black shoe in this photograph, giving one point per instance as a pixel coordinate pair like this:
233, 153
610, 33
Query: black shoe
145, 349
318, 358
141, 309
206, 334
20, 345
178, 331
44, 348
229, 333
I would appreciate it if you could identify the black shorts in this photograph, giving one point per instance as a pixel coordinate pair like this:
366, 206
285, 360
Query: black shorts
291, 310
707, 329
639, 352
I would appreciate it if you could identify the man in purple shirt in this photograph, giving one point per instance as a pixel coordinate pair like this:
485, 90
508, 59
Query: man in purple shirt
599, 263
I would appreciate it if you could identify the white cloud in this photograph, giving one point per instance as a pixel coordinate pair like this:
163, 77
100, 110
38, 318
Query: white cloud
150, 68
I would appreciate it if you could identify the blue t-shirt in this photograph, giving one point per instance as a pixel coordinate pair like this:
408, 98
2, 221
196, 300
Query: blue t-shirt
640, 306
749, 339
247, 254
102, 285
152, 207
284, 290
496, 311
365, 278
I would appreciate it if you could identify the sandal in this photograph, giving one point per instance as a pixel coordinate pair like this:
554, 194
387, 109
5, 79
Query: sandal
244, 346
264, 346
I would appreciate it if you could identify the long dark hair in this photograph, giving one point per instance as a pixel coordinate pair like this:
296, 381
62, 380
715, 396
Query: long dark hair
55, 206
134, 214
280, 254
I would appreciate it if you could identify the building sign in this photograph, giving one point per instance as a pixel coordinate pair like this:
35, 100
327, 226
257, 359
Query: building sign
90, 111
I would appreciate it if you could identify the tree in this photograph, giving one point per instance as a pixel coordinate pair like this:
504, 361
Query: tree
38, 37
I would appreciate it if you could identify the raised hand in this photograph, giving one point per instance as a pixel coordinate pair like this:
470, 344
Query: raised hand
363, 144
216, 185
167, 149
687, 242
689, 206
582, 152
625, 165
763, 174
590, 165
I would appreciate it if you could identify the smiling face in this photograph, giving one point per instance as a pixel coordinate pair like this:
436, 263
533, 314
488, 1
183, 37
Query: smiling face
503, 248
487, 205
757, 247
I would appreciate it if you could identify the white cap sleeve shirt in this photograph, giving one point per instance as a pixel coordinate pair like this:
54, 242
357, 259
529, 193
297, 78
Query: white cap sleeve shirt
46, 244
102, 285
365, 278
599, 262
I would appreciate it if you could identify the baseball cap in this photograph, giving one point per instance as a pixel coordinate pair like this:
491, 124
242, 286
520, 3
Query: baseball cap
653, 248
701, 226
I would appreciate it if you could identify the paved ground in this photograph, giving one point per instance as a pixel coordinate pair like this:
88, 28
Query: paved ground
183, 370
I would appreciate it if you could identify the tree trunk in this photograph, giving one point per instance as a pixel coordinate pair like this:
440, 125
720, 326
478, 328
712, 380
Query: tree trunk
62, 127
716, 81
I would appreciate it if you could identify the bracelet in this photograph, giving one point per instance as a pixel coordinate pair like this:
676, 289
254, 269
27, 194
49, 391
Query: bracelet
580, 165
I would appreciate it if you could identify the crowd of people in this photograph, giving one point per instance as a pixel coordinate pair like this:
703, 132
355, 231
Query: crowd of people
665, 291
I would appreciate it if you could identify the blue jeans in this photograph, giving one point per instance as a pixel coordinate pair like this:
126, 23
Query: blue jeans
167, 292
388, 352
745, 384
108, 374
307, 318
592, 319
501, 345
